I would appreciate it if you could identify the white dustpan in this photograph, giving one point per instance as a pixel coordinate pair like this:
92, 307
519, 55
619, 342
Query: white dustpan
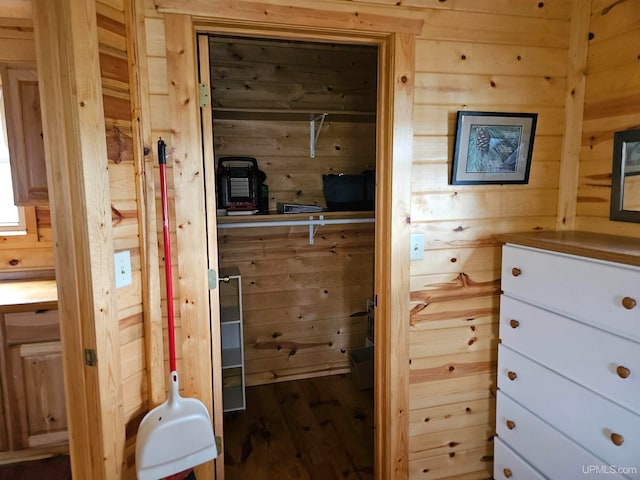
176, 435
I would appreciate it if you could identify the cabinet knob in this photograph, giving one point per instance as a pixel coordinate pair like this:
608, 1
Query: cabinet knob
515, 271
622, 371
617, 439
507, 473
514, 323
628, 303
512, 375
510, 424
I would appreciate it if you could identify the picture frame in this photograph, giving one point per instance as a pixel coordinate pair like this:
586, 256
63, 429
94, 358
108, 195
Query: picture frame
625, 179
493, 148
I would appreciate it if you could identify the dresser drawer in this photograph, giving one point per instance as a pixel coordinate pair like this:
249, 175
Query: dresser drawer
603, 362
31, 327
606, 429
508, 465
592, 291
553, 454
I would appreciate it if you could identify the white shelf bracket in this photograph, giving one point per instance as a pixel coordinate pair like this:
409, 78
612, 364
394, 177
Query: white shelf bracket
315, 133
312, 230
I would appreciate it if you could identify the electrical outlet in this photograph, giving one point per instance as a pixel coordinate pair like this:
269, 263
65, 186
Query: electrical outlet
417, 246
123, 268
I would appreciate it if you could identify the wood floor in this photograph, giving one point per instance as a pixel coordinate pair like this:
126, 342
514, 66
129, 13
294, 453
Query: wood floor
313, 429
53, 468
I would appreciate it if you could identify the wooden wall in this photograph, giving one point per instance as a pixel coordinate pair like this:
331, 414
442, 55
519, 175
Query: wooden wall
35, 253
612, 103
124, 172
264, 94
507, 58
304, 305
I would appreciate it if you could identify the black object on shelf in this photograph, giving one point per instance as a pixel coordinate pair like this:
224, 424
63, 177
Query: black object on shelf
348, 192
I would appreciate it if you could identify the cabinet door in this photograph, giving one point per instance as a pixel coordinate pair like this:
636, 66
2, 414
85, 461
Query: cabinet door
24, 130
37, 383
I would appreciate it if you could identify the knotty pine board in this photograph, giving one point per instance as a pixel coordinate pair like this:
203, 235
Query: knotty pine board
304, 305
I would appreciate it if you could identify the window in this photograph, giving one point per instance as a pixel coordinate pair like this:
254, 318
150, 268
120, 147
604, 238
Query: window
12, 218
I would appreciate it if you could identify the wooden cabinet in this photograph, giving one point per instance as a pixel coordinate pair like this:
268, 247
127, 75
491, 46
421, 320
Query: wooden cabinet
231, 338
568, 366
32, 379
25, 137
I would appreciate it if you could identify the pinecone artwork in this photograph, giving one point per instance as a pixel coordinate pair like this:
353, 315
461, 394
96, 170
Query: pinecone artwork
482, 140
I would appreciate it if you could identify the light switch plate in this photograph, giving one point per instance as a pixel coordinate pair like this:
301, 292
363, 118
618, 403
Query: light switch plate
417, 246
123, 268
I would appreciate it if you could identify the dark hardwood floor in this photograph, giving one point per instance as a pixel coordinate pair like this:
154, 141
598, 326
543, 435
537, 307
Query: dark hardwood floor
52, 468
312, 429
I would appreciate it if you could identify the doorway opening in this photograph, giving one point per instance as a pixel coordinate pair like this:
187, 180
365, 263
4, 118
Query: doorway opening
303, 114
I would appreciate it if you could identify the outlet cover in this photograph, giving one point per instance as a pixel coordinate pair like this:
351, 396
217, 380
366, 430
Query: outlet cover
417, 246
123, 268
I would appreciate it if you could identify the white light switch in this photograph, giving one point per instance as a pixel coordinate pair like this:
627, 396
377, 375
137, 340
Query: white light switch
123, 268
417, 246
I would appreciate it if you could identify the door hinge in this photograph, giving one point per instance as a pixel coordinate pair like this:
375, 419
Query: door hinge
90, 357
212, 279
203, 94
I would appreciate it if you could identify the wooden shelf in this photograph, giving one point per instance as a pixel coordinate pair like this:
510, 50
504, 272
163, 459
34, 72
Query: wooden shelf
291, 115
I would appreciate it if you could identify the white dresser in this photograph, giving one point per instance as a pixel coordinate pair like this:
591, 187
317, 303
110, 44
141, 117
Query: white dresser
568, 402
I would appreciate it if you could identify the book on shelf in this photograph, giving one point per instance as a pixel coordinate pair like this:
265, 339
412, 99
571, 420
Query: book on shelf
282, 207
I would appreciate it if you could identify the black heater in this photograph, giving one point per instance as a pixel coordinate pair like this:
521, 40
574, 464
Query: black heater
239, 185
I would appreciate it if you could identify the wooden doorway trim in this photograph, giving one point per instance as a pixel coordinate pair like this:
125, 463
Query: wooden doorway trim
393, 197
79, 197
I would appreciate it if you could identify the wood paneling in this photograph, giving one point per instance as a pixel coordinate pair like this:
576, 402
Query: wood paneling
304, 305
35, 252
253, 74
126, 171
494, 60
79, 191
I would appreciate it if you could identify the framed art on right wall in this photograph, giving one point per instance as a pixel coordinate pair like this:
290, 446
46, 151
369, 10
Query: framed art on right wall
625, 176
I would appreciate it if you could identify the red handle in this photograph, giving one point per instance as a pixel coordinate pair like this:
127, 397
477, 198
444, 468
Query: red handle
162, 160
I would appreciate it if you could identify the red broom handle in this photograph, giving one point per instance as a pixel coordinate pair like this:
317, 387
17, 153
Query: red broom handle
162, 160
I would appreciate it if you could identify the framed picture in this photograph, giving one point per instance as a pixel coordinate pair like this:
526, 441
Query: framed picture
625, 176
493, 147
627, 148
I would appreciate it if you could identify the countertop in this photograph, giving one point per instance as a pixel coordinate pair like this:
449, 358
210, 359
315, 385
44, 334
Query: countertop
37, 293
599, 246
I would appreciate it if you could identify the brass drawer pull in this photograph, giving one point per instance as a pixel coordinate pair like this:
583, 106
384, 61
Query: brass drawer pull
617, 439
623, 372
510, 424
628, 303
512, 375
514, 323
507, 473
516, 272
